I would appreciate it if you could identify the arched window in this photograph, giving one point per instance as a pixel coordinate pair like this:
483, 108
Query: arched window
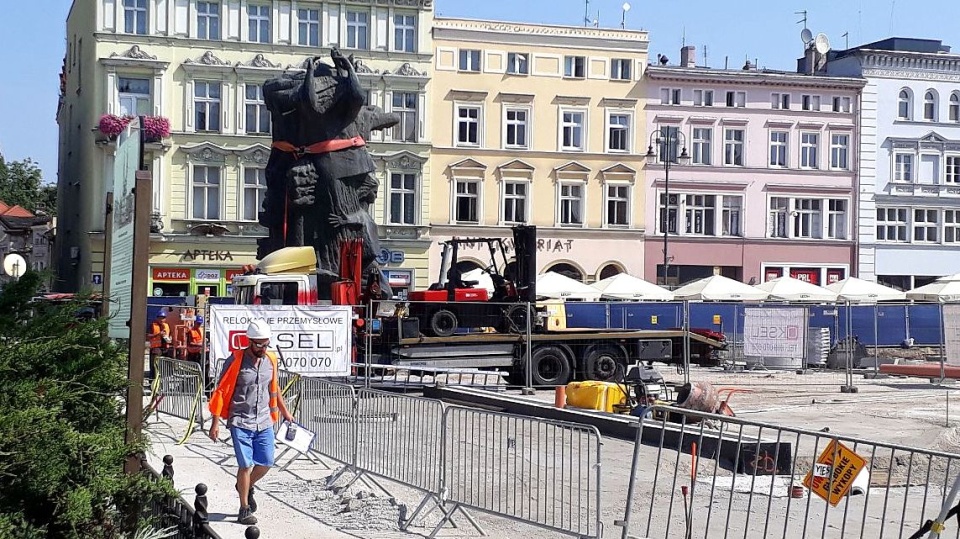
930, 106
567, 269
954, 107
609, 271
904, 105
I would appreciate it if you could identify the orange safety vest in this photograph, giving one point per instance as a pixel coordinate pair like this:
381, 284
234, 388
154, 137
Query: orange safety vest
222, 396
195, 340
156, 340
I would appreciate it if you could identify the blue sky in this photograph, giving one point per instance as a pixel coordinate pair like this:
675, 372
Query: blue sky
32, 38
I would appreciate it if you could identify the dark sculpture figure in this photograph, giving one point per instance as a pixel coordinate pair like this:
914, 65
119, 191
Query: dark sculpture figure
320, 182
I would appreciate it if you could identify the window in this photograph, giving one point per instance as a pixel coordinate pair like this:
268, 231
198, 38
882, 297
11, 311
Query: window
809, 148
892, 224
357, 30
702, 152
468, 126
620, 69
926, 223
571, 203
954, 107
730, 219
841, 104
574, 67
258, 117
736, 99
470, 60
778, 148
703, 98
669, 96
903, 167
516, 127
806, 218
206, 102
518, 63
403, 198
134, 96
254, 189
206, 192
700, 214
405, 105
618, 205
951, 226
405, 33
618, 132
135, 16
837, 219
309, 26
515, 202
668, 213
572, 131
467, 202
839, 150
953, 169
780, 101
733, 147
258, 23
208, 20
904, 105
777, 224
930, 106
810, 102
668, 143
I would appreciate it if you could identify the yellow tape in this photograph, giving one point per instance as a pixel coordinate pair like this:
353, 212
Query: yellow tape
937, 527
193, 415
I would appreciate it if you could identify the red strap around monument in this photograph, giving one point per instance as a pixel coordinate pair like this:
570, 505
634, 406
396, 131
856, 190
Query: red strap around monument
325, 146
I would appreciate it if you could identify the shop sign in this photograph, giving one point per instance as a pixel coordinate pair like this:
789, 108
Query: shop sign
207, 275
387, 256
231, 273
834, 276
399, 278
171, 274
206, 255
544, 245
806, 275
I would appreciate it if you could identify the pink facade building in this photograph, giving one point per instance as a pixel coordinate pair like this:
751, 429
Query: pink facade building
769, 186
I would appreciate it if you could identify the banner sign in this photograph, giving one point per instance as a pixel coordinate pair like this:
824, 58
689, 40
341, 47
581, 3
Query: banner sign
312, 340
774, 332
951, 332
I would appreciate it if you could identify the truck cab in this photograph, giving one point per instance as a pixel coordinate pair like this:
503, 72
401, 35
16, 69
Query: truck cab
284, 277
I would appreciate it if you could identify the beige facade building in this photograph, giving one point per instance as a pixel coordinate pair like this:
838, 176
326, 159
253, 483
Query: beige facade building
541, 125
201, 64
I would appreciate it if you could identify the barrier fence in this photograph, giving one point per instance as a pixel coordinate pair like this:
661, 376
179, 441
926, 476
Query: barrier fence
703, 475
177, 390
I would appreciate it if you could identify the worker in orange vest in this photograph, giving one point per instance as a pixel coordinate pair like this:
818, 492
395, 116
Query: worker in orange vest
160, 340
248, 398
195, 345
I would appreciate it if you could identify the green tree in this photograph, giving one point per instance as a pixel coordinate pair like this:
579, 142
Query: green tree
21, 183
62, 424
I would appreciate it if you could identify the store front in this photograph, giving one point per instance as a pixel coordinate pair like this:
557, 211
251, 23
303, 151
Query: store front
187, 269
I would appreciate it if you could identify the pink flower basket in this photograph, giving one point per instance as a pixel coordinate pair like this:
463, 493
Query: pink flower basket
156, 127
112, 125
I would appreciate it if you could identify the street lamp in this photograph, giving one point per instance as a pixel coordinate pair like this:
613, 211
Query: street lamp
623, 18
667, 139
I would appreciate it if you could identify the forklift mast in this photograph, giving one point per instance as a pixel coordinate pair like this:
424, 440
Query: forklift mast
525, 249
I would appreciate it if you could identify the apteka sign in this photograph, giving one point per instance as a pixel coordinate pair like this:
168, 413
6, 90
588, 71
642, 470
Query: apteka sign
310, 339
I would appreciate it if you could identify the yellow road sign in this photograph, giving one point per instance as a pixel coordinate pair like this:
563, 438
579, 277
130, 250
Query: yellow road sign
833, 473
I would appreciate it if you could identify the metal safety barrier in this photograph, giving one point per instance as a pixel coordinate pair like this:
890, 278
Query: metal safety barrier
178, 391
538, 471
329, 409
393, 377
702, 475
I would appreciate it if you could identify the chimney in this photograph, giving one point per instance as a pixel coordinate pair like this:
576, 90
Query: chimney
688, 56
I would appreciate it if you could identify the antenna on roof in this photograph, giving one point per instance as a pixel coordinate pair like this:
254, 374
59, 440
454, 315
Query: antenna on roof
586, 12
683, 37
705, 63
804, 19
846, 40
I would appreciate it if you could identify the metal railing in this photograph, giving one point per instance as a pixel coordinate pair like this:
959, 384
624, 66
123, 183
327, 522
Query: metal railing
175, 512
178, 391
703, 475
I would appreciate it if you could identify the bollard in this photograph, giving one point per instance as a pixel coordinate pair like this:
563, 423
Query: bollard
167, 472
252, 532
200, 514
560, 397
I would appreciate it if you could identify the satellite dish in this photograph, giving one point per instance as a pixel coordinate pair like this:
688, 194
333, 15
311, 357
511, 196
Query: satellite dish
806, 36
821, 43
14, 265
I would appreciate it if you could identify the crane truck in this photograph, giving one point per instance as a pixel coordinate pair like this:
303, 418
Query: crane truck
456, 324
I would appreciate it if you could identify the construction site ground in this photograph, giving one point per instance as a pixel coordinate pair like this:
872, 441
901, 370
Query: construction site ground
296, 503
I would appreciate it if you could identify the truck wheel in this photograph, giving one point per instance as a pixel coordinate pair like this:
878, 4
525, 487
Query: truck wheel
514, 319
604, 363
551, 366
443, 323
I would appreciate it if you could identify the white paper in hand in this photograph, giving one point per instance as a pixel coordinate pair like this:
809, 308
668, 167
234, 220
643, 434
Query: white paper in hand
301, 440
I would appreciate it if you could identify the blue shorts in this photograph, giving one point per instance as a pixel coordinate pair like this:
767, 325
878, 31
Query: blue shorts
253, 447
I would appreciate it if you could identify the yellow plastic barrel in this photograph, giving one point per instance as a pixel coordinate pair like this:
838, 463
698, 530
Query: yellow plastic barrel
594, 395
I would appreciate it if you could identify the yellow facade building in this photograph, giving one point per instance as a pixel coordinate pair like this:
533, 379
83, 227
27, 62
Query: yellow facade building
201, 64
541, 125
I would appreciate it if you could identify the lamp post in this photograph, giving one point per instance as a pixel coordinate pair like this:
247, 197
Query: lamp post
667, 139
623, 17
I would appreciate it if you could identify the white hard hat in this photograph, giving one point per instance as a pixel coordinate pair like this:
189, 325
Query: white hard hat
259, 329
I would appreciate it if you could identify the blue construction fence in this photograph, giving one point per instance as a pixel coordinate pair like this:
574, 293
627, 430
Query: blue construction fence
881, 324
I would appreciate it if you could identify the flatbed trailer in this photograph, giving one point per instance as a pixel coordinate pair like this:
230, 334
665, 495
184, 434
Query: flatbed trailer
556, 357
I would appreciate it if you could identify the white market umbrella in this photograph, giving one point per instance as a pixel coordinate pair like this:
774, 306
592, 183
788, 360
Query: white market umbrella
954, 277
719, 288
556, 286
792, 289
860, 291
483, 279
945, 291
625, 286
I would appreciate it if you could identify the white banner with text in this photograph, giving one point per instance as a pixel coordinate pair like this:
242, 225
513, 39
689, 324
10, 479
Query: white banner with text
311, 340
774, 332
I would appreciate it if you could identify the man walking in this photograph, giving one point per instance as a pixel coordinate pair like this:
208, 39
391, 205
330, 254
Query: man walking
248, 397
